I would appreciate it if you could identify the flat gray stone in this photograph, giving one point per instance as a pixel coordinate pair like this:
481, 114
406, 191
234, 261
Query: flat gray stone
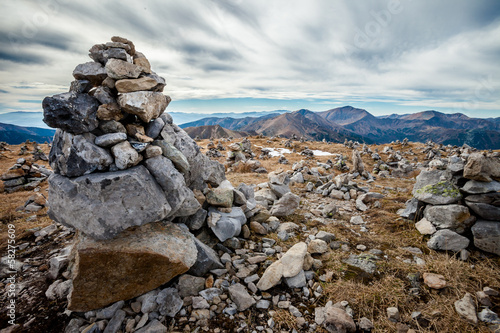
102, 205
487, 236
448, 240
111, 139
226, 225
477, 187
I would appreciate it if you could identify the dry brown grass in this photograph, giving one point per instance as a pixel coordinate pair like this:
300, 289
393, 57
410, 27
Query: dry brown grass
9, 202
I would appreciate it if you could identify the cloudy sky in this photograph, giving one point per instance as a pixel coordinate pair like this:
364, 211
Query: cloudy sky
387, 56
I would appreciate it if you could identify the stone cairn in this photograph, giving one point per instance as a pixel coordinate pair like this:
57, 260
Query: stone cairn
133, 184
23, 176
458, 202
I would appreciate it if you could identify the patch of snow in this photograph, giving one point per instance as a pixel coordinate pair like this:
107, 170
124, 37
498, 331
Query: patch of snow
321, 153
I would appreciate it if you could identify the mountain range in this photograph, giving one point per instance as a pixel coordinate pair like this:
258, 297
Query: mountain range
357, 124
14, 135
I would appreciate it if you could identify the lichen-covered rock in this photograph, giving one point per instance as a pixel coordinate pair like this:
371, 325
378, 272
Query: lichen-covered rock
104, 204
441, 193
138, 261
430, 177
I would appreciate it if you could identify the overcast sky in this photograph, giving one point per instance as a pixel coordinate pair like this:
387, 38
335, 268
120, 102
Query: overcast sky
233, 55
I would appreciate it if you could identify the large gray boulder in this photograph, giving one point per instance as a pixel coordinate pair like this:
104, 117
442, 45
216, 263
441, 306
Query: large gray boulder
72, 112
103, 205
487, 236
486, 206
77, 155
226, 225
453, 217
180, 198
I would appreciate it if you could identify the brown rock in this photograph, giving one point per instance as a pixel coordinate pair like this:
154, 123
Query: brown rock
118, 39
337, 320
108, 83
142, 61
119, 69
258, 228
131, 85
11, 174
137, 131
434, 281
110, 111
482, 168
147, 105
209, 282
140, 260
199, 196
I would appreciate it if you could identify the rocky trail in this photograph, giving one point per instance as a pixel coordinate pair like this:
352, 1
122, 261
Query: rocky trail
136, 227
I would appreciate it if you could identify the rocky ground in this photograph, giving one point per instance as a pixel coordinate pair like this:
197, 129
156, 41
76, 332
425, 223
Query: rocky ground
343, 261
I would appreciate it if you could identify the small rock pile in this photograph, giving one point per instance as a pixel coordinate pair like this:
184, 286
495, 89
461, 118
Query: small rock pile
24, 176
459, 200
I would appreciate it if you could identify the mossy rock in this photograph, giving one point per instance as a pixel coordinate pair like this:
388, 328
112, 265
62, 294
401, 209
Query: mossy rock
441, 193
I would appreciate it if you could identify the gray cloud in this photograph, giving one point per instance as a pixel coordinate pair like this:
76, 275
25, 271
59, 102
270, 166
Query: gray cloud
429, 52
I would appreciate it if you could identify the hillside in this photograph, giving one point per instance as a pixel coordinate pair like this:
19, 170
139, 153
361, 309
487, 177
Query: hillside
213, 132
14, 135
357, 124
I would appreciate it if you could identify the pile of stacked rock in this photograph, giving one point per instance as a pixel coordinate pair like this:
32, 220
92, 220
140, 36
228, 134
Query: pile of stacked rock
458, 201
133, 184
24, 176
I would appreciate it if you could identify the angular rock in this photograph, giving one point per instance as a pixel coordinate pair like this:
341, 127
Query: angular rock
109, 111
169, 301
241, 297
160, 82
338, 321
206, 260
190, 285
140, 84
448, 240
71, 112
317, 246
112, 126
453, 217
271, 277
365, 262
102, 205
195, 221
220, 197
484, 211
286, 205
147, 105
111, 139
153, 327
430, 177
293, 259
441, 193
434, 281
104, 95
176, 156
76, 155
425, 227
297, 281
125, 155
466, 307
115, 323
80, 86
482, 168
487, 236
477, 187
93, 72
118, 69
180, 198
226, 225
140, 260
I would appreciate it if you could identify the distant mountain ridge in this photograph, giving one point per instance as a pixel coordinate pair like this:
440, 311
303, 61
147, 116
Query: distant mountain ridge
214, 131
358, 124
15, 135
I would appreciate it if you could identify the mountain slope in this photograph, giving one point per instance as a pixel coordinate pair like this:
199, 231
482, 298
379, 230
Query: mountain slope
214, 132
14, 135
